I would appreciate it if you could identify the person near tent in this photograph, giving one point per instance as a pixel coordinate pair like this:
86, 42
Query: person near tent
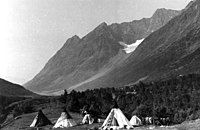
87, 119
40, 120
65, 120
84, 110
148, 120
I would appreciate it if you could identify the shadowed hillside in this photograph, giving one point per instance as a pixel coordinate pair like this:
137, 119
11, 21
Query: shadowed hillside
13, 90
10, 93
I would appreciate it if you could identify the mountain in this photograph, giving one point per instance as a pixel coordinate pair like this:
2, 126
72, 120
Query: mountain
139, 29
8, 89
78, 60
83, 61
172, 50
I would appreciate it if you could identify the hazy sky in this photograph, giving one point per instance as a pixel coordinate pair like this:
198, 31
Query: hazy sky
31, 31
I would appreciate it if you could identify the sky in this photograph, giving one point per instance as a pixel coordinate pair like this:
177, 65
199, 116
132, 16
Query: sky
32, 31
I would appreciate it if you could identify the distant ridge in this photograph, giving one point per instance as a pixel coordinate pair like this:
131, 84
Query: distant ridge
9, 89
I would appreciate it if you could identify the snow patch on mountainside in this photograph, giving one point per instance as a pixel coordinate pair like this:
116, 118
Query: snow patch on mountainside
130, 48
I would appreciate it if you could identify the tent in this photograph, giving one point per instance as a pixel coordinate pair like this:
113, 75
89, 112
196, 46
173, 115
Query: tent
116, 120
40, 120
65, 120
135, 121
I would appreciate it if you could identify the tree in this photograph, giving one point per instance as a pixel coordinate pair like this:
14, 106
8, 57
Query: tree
63, 97
73, 105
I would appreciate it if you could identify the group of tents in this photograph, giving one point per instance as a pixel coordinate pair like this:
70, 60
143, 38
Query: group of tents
65, 120
115, 120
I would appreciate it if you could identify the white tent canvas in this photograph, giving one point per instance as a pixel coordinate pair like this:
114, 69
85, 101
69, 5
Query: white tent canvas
64, 121
135, 121
116, 120
34, 121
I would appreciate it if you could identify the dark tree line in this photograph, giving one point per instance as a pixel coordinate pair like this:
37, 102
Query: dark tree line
177, 98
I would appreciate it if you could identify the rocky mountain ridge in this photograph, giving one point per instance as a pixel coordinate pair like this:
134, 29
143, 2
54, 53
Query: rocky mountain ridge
82, 61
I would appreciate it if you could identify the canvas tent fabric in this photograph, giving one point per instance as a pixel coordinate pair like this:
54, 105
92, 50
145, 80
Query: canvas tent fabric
65, 120
40, 120
135, 121
116, 120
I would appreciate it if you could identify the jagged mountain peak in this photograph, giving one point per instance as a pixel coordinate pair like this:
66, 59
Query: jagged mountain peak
102, 25
76, 37
102, 30
73, 40
162, 12
190, 3
84, 60
191, 13
193, 4
132, 31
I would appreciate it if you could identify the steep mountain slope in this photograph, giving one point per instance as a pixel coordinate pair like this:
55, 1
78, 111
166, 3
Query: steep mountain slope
172, 50
81, 61
9, 89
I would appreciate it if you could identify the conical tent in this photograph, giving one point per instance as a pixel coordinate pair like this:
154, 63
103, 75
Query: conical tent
40, 120
135, 121
116, 120
65, 120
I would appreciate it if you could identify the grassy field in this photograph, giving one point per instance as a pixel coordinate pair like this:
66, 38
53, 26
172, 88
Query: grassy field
24, 121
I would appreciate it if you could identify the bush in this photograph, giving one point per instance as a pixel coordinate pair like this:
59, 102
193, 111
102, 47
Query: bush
23, 109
